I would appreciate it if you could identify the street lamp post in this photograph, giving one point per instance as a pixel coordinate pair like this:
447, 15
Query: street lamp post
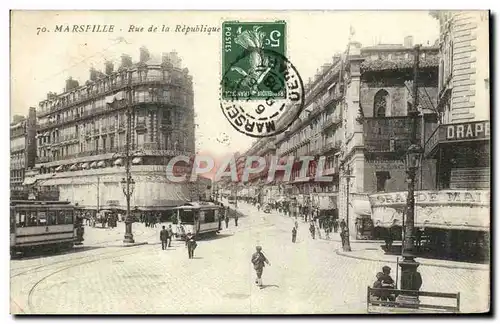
128, 183
346, 241
411, 280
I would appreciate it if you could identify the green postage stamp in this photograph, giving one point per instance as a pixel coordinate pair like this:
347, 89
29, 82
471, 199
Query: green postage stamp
249, 50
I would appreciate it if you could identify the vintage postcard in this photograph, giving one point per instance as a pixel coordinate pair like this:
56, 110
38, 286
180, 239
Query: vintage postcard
246, 162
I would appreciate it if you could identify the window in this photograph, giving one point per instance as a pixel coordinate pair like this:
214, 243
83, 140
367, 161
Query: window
380, 103
42, 218
60, 216
111, 141
12, 221
187, 216
210, 216
68, 217
31, 218
382, 177
51, 218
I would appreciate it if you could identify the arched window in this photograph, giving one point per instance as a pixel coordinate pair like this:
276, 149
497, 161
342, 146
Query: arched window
380, 103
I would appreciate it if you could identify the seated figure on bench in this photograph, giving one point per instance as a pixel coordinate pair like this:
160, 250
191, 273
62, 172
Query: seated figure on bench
384, 280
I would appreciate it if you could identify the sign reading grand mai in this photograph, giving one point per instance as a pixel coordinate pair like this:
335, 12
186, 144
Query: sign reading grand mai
476, 197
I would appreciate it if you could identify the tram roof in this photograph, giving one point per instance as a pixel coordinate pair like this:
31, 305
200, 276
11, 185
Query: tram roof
198, 205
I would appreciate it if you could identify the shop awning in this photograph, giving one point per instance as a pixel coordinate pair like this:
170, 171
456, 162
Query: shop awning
85, 165
118, 162
73, 167
29, 181
93, 164
59, 168
445, 209
101, 164
137, 160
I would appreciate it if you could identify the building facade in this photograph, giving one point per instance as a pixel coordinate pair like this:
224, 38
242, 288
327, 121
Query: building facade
453, 217
377, 127
22, 148
82, 134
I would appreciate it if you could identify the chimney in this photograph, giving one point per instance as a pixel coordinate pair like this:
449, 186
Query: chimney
93, 74
144, 54
71, 84
126, 61
108, 67
408, 42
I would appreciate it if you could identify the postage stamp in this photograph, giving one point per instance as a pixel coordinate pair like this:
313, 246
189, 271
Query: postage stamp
250, 40
276, 112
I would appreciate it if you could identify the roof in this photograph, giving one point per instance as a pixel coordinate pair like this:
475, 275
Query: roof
385, 64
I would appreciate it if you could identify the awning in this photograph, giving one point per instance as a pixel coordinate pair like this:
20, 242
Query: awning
137, 160
118, 162
101, 164
85, 165
29, 181
59, 168
93, 164
73, 167
362, 207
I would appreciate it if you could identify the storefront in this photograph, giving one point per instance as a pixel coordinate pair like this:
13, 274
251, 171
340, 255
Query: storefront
452, 222
463, 155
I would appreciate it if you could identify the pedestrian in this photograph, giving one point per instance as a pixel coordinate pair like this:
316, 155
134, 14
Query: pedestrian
164, 238
226, 219
312, 229
259, 260
235, 218
342, 224
296, 224
336, 225
170, 233
294, 234
191, 244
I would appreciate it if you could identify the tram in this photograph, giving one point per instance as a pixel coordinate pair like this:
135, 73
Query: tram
35, 224
196, 218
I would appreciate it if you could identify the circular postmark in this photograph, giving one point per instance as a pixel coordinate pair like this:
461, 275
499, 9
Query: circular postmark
265, 99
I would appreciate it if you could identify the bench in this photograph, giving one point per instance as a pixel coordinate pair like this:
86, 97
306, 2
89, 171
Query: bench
375, 305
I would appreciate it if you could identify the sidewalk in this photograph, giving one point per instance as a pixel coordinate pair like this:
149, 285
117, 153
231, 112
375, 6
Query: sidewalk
370, 250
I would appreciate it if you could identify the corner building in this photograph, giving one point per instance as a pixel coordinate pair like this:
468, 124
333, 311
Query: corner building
82, 132
22, 149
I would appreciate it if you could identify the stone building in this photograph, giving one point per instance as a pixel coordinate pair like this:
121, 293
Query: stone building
82, 134
22, 148
377, 127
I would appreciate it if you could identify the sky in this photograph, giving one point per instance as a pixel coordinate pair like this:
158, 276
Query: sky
41, 63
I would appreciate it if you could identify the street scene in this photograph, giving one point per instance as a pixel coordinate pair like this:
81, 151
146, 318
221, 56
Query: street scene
278, 174
308, 277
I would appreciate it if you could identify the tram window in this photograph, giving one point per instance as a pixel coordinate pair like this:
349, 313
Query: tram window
187, 216
21, 218
42, 218
12, 221
31, 218
51, 218
209, 216
69, 217
60, 217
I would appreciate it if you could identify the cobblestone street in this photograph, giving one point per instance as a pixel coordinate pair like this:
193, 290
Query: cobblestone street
306, 277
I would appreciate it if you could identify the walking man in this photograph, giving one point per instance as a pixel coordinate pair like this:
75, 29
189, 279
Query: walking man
235, 218
170, 233
294, 234
259, 260
226, 219
191, 245
312, 229
163, 238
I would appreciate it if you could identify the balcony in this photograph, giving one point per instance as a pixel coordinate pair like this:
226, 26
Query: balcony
331, 146
332, 121
389, 134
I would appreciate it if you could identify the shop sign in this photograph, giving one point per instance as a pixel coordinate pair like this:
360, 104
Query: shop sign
442, 197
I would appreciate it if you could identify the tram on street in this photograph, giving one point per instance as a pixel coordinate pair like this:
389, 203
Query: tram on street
35, 224
196, 218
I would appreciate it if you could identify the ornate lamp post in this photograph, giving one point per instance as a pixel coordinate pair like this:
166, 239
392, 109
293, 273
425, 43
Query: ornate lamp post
346, 241
128, 185
410, 278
